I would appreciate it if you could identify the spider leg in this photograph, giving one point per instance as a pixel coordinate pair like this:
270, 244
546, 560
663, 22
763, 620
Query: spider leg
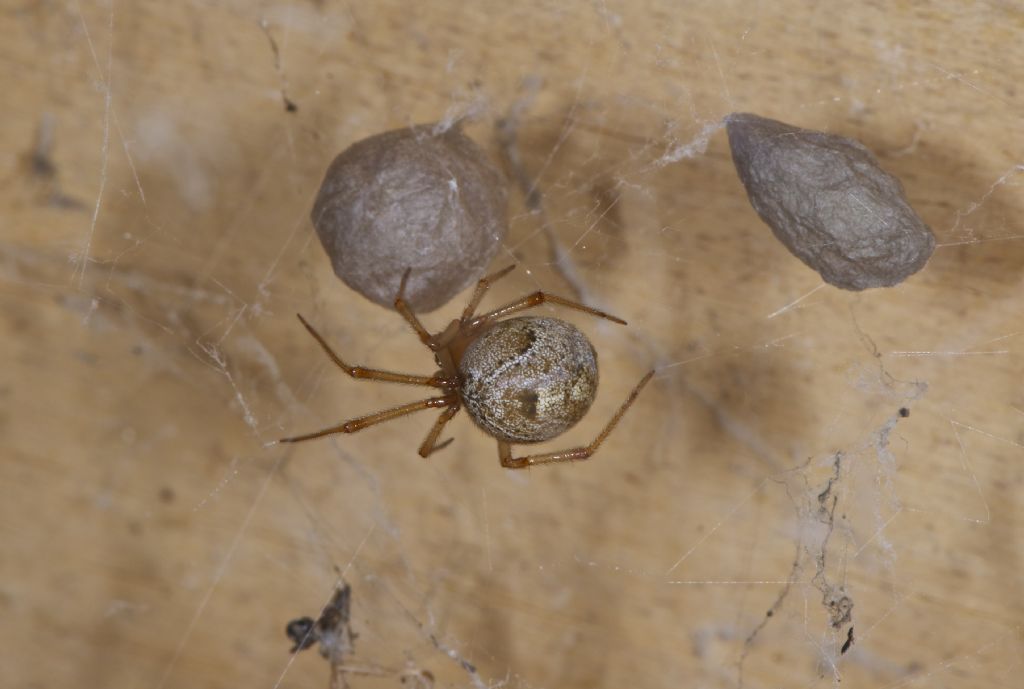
407, 313
362, 422
481, 288
430, 445
536, 299
371, 373
576, 453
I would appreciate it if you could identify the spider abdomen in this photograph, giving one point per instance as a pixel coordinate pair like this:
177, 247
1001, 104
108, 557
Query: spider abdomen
527, 380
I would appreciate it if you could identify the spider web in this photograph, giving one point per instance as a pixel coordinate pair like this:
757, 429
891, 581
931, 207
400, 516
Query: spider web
817, 488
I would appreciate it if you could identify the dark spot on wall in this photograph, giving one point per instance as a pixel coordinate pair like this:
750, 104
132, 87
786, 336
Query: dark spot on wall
848, 643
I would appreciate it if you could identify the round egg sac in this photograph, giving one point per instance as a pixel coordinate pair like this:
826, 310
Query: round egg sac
416, 199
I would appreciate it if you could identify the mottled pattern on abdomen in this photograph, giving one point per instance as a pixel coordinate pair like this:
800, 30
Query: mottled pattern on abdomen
526, 380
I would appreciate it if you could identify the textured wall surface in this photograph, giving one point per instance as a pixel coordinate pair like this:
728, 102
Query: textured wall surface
159, 164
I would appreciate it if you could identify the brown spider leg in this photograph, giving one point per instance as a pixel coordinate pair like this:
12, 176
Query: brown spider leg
407, 313
362, 422
576, 453
481, 288
429, 447
536, 299
371, 373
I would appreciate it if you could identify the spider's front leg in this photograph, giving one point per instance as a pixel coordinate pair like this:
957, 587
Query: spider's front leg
407, 313
361, 372
536, 299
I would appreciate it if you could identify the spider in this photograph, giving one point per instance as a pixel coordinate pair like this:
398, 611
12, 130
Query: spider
522, 380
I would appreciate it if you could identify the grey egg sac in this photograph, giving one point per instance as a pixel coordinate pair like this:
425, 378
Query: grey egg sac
414, 199
827, 199
526, 380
